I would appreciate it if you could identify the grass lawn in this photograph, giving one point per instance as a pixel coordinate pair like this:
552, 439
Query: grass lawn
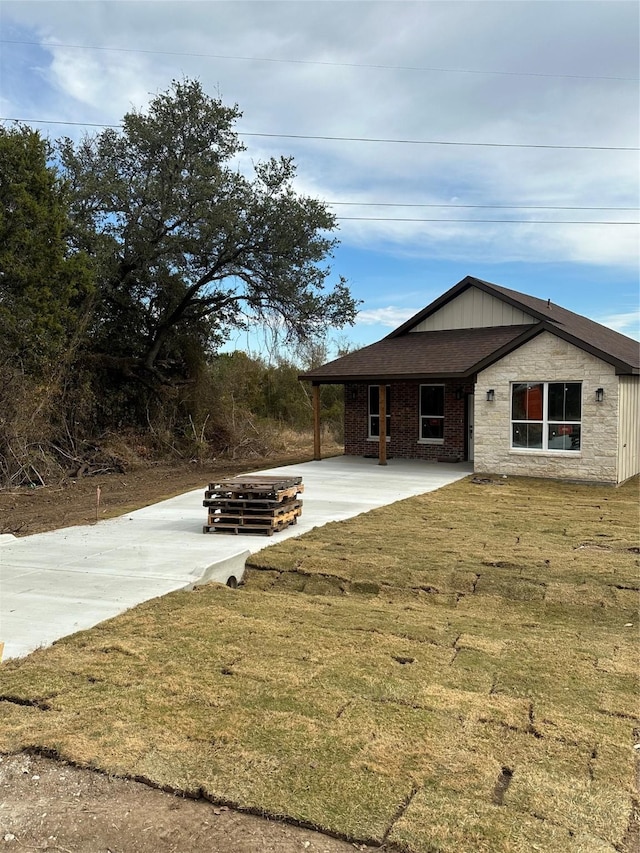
456, 672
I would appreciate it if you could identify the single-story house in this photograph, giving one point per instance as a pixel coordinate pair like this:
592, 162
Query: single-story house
513, 383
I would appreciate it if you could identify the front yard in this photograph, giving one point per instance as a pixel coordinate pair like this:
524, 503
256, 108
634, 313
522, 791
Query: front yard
455, 672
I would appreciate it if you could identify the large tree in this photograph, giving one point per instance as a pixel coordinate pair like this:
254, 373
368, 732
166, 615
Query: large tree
189, 246
44, 281
46, 287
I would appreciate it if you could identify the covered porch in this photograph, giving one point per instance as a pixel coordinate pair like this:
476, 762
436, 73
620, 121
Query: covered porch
430, 419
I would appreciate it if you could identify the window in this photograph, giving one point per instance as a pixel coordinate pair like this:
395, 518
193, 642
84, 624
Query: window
374, 411
432, 414
546, 415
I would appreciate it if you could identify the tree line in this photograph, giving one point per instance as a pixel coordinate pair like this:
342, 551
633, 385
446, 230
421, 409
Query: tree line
127, 260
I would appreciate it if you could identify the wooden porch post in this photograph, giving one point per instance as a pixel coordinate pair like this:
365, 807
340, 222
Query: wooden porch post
382, 396
316, 422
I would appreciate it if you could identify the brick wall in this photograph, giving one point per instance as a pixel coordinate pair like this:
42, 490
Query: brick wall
405, 423
548, 358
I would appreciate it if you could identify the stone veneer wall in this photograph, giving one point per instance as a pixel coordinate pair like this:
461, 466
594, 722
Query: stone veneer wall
549, 359
405, 411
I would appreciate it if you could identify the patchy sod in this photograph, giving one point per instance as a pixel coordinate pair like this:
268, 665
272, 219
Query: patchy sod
454, 672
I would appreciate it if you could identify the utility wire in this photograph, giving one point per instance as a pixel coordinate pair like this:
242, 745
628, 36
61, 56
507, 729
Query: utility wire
474, 206
323, 62
499, 221
55, 121
443, 142
364, 138
395, 203
412, 205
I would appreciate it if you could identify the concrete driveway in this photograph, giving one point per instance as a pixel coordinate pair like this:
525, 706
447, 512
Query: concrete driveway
54, 584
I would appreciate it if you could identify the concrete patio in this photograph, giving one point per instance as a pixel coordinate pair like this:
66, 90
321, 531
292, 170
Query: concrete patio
54, 584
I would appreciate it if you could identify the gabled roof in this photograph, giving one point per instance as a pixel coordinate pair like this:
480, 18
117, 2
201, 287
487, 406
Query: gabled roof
421, 355
589, 335
460, 353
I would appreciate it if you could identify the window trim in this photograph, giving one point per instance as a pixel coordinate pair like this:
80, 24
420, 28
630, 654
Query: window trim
441, 417
370, 414
545, 422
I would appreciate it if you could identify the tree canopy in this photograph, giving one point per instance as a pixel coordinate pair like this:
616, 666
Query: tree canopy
43, 283
126, 260
187, 246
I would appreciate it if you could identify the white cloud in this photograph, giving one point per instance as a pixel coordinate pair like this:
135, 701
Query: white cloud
86, 79
391, 316
589, 39
628, 323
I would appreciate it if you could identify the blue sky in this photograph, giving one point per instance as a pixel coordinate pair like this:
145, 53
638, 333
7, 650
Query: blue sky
532, 73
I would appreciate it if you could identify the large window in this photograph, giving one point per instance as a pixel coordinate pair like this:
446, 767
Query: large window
546, 415
374, 411
432, 413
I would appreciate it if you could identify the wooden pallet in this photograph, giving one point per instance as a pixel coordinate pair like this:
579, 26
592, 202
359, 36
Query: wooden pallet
258, 481
267, 526
251, 514
276, 495
255, 488
248, 503
253, 504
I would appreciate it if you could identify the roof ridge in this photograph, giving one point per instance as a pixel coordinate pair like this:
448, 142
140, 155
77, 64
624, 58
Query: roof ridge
548, 306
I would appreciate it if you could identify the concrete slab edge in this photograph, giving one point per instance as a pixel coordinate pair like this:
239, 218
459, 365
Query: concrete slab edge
223, 571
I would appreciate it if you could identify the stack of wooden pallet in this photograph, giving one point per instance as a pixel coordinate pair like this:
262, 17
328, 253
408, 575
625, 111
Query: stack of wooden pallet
253, 504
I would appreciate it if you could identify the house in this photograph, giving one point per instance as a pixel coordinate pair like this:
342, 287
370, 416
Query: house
513, 383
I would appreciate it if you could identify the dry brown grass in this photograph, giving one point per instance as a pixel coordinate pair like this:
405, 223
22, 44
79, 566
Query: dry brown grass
456, 672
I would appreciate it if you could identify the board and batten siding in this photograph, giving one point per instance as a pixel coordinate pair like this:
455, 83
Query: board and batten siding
629, 428
474, 309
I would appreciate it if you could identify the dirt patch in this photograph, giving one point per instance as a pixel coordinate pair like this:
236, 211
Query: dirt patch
24, 510
50, 805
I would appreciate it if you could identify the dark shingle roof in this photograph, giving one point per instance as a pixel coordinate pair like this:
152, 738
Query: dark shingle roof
595, 335
421, 355
457, 353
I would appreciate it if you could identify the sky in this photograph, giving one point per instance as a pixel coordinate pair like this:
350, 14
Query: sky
513, 111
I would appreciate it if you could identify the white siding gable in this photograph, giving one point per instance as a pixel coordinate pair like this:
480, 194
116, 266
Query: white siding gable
474, 309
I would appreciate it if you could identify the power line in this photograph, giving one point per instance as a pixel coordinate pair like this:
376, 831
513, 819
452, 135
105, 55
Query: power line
421, 205
474, 206
498, 221
323, 62
56, 121
443, 142
365, 138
